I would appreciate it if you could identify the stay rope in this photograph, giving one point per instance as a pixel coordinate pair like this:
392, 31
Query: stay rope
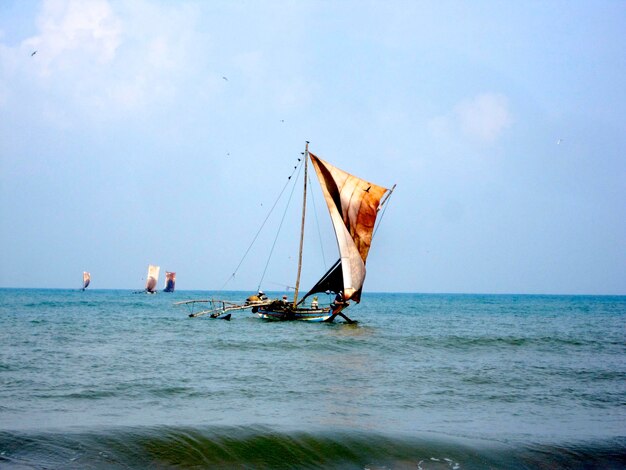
279, 227
261, 227
380, 220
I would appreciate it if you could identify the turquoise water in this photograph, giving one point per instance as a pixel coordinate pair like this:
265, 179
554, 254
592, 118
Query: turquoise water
109, 379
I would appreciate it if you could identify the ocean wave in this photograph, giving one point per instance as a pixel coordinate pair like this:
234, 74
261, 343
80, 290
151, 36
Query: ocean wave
464, 342
262, 447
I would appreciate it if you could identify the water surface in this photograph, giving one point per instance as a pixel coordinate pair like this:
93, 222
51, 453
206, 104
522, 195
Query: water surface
102, 379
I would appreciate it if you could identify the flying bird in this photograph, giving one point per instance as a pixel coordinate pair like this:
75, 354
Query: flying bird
368, 189
34, 52
558, 142
225, 78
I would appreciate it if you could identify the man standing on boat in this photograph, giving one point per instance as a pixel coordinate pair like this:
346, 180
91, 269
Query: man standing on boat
338, 303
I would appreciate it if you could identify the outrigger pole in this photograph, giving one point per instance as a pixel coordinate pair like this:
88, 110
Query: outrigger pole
339, 313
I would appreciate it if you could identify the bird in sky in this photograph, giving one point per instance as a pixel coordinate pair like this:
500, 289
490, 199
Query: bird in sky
558, 142
225, 78
34, 52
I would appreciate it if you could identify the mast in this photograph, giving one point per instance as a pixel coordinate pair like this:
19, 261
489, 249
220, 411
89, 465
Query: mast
306, 159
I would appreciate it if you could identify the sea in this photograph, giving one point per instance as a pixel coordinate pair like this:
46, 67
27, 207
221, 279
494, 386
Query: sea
110, 379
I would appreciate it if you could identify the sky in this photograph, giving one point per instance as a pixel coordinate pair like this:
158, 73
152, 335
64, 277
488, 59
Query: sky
158, 132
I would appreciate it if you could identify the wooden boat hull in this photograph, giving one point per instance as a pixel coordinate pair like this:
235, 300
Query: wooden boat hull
309, 315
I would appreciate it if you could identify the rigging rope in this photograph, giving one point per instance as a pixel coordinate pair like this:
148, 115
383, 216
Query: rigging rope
380, 220
279, 228
260, 228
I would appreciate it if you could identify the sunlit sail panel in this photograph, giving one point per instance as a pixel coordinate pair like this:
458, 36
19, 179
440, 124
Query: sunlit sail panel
153, 278
170, 281
353, 205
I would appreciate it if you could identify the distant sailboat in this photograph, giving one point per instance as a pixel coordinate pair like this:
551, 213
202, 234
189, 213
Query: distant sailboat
170, 281
86, 279
152, 279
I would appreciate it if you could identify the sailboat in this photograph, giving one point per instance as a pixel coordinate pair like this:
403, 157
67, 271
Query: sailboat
152, 279
170, 281
353, 204
86, 279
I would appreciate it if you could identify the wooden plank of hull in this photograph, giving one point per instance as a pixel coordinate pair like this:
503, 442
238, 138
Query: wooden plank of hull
281, 316
301, 314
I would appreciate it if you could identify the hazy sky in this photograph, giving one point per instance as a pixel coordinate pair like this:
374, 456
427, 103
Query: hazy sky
502, 123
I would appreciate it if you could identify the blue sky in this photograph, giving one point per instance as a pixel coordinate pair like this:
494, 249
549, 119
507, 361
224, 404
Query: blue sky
121, 144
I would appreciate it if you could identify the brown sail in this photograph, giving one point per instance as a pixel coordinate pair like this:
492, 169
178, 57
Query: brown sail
353, 205
153, 278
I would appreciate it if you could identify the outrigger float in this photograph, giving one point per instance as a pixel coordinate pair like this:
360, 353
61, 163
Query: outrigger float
353, 204
218, 308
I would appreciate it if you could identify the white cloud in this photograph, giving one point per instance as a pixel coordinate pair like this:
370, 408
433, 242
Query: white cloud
71, 31
101, 60
482, 118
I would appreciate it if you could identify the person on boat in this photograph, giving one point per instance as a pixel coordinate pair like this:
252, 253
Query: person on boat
338, 302
314, 303
285, 299
256, 298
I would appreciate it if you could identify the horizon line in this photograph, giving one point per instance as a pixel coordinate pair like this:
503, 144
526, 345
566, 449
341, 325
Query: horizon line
364, 293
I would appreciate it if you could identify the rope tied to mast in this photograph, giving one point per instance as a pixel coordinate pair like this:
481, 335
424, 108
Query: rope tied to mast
279, 228
289, 179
